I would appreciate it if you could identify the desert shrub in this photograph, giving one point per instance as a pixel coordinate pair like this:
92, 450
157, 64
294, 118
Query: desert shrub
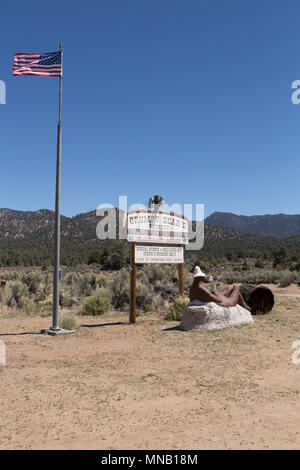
17, 291
69, 302
259, 264
286, 279
237, 269
95, 305
280, 257
250, 277
188, 279
22, 302
267, 277
142, 292
117, 259
8, 276
5, 295
245, 266
158, 272
166, 290
158, 304
47, 303
104, 292
147, 308
31, 308
142, 277
231, 277
33, 281
297, 267
72, 285
83, 285
176, 309
94, 257
41, 294
46, 286
101, 281
71, 279
68, 323
120, 290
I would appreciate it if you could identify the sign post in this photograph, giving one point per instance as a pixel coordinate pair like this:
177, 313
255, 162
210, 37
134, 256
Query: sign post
132, 318
181, 279
146, 226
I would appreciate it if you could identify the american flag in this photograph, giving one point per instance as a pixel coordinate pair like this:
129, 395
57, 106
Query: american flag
47, 64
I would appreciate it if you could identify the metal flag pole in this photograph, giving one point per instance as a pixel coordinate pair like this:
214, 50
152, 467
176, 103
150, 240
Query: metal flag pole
55, 328
55, 324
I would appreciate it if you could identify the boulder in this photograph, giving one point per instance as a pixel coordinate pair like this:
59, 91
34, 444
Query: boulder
211, 316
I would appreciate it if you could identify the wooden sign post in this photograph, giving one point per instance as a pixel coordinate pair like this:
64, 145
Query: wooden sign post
181, 279
158, 228
132, 318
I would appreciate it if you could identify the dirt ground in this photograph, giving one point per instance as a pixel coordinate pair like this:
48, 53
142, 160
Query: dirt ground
148, 386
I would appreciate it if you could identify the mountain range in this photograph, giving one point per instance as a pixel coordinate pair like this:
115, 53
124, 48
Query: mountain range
276, 225
27, 237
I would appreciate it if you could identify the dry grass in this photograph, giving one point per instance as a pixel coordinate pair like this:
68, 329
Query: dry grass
117, 386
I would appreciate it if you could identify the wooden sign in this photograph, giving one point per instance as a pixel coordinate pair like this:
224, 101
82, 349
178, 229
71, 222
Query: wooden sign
158, 254
148, 226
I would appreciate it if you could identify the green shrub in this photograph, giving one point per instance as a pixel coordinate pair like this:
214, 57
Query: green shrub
33, 281
176, 309
251, 277
101, 281
68, 323
104, 292
297, 267
188, 278
32, 309
118, 259
70, 279
159, 272
286, 279
245, 266
95, 305
168, 291
157, 303
23, 301
84, 285
142, 292
120, 290
17, 291
259, 264
94, 257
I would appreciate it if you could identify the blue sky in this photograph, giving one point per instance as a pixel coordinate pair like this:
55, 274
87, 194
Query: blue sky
190, 99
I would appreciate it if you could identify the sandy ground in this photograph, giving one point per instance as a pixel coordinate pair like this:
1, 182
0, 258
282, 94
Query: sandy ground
146, 386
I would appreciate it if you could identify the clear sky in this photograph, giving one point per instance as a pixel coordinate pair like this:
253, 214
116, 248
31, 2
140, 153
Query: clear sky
186, 98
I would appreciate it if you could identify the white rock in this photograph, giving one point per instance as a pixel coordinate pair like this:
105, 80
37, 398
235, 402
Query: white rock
211, 316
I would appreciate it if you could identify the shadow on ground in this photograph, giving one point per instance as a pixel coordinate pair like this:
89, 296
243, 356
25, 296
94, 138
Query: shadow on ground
84, 326
172, 328
103, 324
19, 334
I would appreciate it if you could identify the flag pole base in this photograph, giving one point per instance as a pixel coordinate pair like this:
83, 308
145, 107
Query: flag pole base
57, 332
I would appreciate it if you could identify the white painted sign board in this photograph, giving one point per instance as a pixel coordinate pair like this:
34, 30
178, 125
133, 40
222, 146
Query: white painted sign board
159, 254
157, 227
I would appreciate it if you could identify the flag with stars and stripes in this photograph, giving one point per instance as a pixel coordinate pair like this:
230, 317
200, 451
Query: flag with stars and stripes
46, 64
